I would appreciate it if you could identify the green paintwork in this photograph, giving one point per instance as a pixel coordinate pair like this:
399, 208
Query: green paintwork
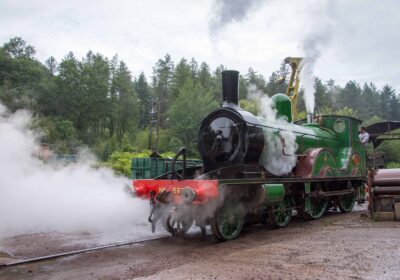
283, 106
228, 221
337, 134
346, 129
274, 193
280, 214
324, 161
317, 207
346, 202
148, 168
342, 153
313, 207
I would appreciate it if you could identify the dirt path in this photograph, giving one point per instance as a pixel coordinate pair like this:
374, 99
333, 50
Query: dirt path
345, 246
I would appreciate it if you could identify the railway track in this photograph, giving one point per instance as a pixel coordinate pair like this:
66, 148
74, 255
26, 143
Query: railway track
76, 252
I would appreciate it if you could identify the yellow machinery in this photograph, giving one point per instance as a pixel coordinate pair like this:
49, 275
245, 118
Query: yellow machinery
295, 63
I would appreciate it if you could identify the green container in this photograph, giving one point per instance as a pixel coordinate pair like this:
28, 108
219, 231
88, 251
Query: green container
179, 164
148, 168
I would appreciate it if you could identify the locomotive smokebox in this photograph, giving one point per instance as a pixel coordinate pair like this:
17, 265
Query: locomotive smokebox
230, 88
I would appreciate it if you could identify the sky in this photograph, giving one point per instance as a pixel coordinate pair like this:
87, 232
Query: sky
348, 40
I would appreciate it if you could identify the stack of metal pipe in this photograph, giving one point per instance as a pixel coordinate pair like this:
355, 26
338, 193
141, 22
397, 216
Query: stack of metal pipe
385, 194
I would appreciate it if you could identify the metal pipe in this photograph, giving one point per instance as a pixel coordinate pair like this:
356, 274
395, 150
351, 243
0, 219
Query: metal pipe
387, 190
181, 151
66, 254
310, 117
387, 182
329, 193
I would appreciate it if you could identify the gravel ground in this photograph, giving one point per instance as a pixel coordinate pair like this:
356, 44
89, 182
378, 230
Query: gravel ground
337, 246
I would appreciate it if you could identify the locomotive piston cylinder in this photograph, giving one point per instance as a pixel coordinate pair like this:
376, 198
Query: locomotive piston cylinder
274, 193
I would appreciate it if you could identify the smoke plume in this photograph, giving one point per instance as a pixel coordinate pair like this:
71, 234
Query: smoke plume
226, 11
316, 39
36, 197
278, 156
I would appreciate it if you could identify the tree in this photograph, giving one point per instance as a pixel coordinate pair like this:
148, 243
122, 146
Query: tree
21, 75
334, 91
143, 92
243, 87
272, 87
253, 78
69, 91
162, 81
128, 106
394, 108
350, 96
181, 74
321, 94
192, 104
17, 48
204, 76
216, 84
345, 111
194, 69
369, 102
94, 95
389, 103
250, 105
51, 64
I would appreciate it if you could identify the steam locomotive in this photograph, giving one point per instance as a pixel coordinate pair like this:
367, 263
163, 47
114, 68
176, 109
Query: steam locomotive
258, 170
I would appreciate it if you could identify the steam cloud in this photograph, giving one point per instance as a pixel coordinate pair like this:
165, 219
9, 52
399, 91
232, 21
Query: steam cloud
35, 197
317, 38
272, 157
226, 11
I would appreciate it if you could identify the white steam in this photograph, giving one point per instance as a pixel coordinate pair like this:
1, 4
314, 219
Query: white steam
35, 197
317, 38
278, 156
307, 79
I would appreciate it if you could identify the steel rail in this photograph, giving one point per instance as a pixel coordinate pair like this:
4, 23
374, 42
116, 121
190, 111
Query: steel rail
76, 252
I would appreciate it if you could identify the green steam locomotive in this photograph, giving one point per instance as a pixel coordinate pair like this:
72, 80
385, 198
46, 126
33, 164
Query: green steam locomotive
259, 170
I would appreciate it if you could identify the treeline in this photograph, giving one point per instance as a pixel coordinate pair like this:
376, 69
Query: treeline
96, 101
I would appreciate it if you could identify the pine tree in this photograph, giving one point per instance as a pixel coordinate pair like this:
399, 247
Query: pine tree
181, 74
321, 95
253, 78
128, 107
369, 102
193, 104
17, 48
205, 78
162, 82
389, 103
143, 92
272, 87
216, 84
51, 64
350, 96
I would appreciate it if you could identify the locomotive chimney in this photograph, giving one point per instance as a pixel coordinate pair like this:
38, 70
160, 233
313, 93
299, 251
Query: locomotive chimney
310, 118
230, 88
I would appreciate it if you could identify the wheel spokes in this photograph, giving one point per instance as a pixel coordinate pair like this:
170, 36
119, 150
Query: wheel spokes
228, 222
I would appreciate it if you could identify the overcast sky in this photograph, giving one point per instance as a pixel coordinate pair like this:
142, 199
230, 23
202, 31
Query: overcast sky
351, 40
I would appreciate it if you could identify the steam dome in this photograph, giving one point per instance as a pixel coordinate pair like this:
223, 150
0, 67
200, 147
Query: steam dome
283, 106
